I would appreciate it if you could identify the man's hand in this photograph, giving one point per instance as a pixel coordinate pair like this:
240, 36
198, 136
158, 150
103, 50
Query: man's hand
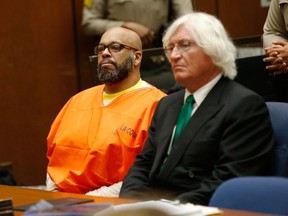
277, 57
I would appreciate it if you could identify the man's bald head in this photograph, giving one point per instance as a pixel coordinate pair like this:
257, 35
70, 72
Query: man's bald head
122, 35
119, 69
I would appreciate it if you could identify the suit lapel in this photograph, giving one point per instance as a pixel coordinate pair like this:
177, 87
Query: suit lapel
208, 108
170, 121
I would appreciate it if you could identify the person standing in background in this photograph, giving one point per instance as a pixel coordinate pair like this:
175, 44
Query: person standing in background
94, 139
275, 37
148, 18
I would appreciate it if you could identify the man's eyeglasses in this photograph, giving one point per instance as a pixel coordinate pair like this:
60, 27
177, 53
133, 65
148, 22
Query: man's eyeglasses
181, 46
112, 47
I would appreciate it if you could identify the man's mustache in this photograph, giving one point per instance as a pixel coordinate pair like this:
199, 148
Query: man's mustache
105, 61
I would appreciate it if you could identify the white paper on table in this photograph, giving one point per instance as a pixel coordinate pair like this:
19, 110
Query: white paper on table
173, 208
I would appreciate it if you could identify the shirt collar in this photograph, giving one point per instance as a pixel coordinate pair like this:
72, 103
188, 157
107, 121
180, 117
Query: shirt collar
202, 92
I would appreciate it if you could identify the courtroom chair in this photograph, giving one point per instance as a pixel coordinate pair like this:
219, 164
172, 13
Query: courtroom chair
256, 194
156, 70
93, 70
253, 75
279, 118
6, 174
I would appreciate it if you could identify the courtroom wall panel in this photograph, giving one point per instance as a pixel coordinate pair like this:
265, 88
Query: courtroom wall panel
85, 46
242, 18
208, 6
37, 76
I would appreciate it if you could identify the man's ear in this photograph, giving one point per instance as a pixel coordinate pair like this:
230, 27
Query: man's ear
137, 57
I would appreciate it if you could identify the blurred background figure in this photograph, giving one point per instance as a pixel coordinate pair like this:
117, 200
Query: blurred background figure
275, 37
148, 19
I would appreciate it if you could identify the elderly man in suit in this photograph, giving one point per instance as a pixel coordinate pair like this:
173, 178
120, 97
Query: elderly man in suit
228, 133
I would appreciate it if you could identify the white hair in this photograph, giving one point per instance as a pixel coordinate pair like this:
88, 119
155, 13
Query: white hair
210, 34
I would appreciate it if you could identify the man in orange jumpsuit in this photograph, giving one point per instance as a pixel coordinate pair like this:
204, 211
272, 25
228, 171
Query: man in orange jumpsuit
94, 139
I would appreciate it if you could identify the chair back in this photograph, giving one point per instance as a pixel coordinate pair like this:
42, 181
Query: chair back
279, 118
257, 194
252, 74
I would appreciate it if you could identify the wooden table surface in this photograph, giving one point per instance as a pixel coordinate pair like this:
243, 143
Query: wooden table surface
23, 196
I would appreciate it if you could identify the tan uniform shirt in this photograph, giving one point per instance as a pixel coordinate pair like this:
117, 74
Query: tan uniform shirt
276, 24
100, 15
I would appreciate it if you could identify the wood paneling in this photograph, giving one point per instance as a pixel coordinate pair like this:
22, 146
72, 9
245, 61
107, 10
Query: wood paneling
37, 76
241, 18
208, 6
85, 45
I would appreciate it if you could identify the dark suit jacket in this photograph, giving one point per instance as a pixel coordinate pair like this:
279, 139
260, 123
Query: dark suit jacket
229, 135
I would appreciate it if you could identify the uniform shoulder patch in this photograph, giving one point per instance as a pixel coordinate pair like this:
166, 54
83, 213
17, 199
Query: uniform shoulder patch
88, 3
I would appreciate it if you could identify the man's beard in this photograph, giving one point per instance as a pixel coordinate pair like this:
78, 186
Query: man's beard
121, 71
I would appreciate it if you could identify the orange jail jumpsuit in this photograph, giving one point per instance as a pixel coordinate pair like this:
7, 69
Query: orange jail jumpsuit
91, 145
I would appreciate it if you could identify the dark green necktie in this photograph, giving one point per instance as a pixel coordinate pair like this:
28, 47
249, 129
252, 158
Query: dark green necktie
184, 116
